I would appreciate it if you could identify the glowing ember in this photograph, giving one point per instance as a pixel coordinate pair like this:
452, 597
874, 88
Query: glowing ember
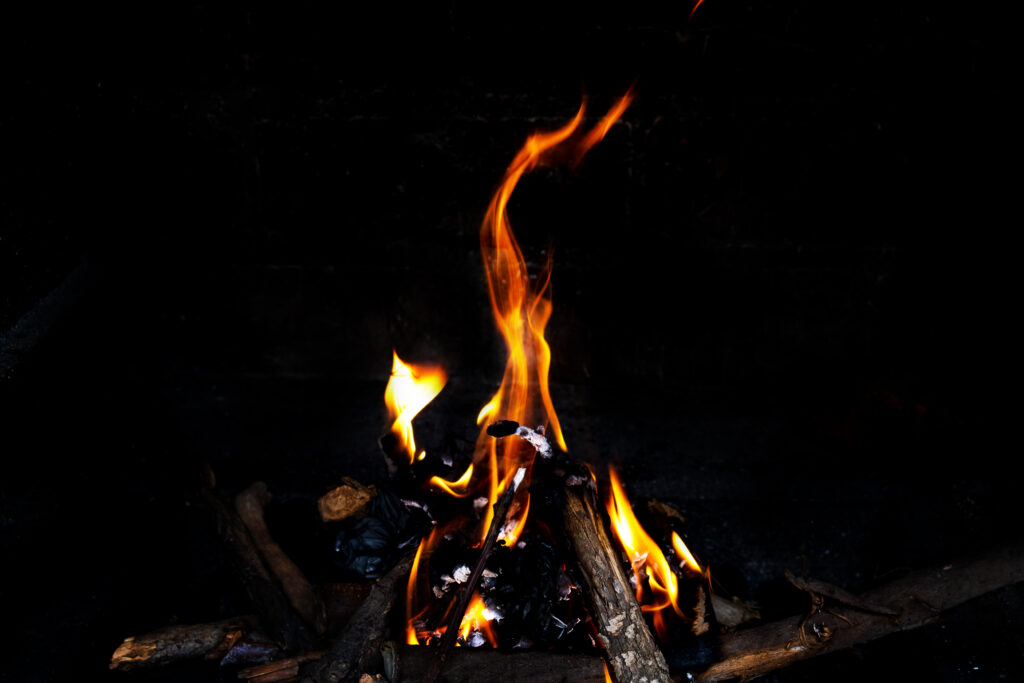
475, 627
650, 568
410, 388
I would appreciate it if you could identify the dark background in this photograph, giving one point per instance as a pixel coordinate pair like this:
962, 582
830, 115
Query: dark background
782, 287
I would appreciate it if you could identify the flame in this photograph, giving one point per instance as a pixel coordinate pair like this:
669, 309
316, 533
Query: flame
607, 674
476, 620
682, 552
649, 564
693, 11
410, 388
459, 487
522, 308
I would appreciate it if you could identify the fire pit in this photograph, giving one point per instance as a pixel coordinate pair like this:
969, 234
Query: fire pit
775, 316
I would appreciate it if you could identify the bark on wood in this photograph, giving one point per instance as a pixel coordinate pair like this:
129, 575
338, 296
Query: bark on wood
358, 644
917, 599
177, 643
279, 619
632, 652
249, 505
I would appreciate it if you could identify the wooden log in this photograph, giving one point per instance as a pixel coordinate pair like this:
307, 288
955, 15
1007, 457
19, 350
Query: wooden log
486, 665
279, 619
358, 644
249, 506
464, 665
908, 603
632, 652
178, 643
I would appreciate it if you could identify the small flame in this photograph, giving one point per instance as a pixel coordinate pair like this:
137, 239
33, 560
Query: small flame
458, 488
684, 554
410, 388
476, 620
607, 674
649, 564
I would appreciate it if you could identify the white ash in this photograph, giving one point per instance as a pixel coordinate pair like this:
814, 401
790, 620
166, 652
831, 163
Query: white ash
476, 639
489, 574
518, 479
521, 545
535, 437
447, 460
462, 574
480, 503
576, 480
491, 614
523, 643
438, 593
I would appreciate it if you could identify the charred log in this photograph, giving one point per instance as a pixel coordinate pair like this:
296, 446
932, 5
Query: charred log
178, 643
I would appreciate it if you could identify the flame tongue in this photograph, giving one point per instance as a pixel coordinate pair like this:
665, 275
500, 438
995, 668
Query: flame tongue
410, 388
522, 309
650, 567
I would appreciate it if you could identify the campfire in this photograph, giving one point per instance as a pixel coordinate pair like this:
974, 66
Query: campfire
510, 557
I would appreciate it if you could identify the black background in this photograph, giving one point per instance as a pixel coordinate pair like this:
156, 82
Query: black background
782, 285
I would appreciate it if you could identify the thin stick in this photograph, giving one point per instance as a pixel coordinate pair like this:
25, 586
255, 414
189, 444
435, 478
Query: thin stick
455, 618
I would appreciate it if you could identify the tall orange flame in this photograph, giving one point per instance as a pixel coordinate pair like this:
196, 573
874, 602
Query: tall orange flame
410, 388
646, 558
522, 309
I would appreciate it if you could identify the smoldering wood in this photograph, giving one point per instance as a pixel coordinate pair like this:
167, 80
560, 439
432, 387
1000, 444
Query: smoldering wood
181, 642
357, 647
631, 649
917, 600
300, 593
278, 617
500, 507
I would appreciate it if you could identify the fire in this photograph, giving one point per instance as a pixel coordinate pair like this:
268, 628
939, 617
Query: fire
476, 620
522, 308
650, 567
410, 388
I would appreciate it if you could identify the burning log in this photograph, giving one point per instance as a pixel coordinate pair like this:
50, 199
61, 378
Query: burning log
633, 654
178, 643
249, 505
274, 609
908, 603
359, 642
